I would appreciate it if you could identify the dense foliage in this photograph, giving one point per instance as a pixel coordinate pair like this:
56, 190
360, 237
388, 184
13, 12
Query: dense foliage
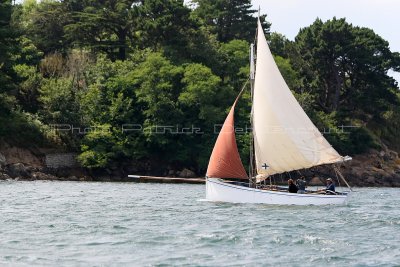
149, 82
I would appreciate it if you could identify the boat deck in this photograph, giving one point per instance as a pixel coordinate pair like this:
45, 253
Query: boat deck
276, 188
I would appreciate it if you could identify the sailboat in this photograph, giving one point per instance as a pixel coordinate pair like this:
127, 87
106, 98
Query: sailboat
284, 139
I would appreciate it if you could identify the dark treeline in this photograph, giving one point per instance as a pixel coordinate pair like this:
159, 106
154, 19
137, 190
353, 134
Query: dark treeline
132, 69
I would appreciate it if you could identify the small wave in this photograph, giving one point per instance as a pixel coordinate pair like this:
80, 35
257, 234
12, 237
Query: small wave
96, 243
119, 227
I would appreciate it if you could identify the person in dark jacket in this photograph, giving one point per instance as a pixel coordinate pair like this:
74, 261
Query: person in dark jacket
330, 187
292, 186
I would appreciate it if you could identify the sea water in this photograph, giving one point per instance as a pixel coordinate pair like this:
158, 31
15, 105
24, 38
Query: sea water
45, 223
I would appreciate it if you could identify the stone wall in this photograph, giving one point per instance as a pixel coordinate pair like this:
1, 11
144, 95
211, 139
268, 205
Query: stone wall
61, 160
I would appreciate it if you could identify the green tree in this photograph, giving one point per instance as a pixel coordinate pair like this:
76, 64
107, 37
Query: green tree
108, 26
109, 108
344, 71
345, 66
230, 19
100, 147
202, 93
7, 44
204, 100
30, 81
26, 57
44, 23
234, 57
59, 102
158, 88
166, 26
279, 44
290, 75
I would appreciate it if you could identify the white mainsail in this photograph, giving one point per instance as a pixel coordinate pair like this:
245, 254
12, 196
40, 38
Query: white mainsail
285, 139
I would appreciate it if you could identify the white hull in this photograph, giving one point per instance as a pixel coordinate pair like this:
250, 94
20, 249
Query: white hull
218, 190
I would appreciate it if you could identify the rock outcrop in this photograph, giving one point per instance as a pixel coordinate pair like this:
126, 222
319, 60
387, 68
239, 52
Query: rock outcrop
375, 168
17, 170
186, 173
12, 154
3, 160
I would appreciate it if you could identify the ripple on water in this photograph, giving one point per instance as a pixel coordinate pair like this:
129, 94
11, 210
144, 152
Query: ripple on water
87, 224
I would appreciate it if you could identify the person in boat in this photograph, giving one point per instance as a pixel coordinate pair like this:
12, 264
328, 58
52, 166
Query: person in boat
301, 185
330, 187
292, 187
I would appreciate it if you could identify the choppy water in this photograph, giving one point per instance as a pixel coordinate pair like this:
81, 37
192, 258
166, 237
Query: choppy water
126, 224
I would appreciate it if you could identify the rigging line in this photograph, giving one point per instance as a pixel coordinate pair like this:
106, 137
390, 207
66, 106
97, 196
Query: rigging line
237, 98
337, 178
341, 176
255, 36
242, 90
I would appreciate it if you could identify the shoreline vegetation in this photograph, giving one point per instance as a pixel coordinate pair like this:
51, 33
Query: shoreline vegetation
135, 70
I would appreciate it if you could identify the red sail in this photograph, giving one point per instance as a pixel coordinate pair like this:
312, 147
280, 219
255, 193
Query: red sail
225, 161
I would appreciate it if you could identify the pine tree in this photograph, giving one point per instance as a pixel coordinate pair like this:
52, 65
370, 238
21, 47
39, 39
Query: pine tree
7, 37
230, 19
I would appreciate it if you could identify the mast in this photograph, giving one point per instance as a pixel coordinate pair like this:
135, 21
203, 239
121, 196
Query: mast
252, 167
252, 174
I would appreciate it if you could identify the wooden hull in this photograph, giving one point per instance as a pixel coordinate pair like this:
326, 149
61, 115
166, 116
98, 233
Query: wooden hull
218, 190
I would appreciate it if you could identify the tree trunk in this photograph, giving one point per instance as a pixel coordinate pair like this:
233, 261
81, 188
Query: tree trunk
336, 98
121, 45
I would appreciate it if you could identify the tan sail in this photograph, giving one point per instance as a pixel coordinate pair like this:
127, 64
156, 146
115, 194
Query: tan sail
285, 139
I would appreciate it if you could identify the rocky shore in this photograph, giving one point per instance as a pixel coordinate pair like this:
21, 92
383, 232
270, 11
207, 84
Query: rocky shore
375, 168
20, 171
